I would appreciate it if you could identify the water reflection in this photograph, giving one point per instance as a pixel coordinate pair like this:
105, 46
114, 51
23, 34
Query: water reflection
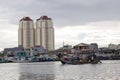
31, 76
108, 70
36, 71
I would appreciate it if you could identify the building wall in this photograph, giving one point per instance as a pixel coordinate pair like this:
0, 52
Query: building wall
26, 33
37, 50
45, 33
81, 46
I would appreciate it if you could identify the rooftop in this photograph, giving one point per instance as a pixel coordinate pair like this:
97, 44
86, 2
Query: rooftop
26, 19
82, 44
44, 18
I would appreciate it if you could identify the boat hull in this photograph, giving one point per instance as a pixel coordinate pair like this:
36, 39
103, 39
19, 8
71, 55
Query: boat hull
80, 62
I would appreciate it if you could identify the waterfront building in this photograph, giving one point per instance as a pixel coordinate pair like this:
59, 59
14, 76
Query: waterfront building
11, 53
114, 46
81, 46
106, 53
13, 50
94, 47
37, 50
118, 47
26, 34
45, 33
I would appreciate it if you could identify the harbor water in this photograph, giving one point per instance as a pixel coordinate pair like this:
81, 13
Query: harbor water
107, 70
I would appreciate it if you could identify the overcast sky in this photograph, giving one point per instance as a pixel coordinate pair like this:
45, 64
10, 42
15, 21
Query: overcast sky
75, 21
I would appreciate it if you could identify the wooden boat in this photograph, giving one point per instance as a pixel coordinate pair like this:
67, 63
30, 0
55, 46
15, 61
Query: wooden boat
84, 61
92, 59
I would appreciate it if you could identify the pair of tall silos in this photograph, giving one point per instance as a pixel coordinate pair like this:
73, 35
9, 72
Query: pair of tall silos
39, 34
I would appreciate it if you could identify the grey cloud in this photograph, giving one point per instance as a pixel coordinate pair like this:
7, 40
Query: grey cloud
82, 36
8, 39
94, 35
64, 13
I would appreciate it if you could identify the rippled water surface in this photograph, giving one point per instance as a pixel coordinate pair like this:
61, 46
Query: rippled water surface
107, 70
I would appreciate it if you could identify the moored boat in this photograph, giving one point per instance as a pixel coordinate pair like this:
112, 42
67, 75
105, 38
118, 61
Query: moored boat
93, 59
74, 62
